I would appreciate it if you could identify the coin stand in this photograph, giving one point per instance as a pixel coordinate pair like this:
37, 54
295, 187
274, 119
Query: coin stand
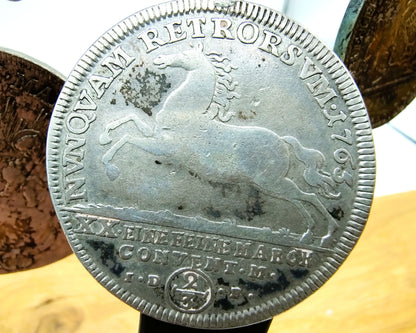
150, 325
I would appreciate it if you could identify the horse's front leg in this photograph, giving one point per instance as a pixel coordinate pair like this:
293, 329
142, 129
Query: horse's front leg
154, 146
111, 170
158, 147
108, 156
143, 127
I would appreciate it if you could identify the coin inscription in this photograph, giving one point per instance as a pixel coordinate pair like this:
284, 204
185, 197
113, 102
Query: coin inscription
218, 166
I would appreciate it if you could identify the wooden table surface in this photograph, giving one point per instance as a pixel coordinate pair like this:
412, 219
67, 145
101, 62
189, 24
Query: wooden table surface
373, 291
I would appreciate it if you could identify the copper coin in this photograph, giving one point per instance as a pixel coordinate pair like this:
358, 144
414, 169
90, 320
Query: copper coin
377, 42
30, 234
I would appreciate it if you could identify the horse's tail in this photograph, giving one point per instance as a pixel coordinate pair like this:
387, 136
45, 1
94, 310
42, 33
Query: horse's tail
314, 161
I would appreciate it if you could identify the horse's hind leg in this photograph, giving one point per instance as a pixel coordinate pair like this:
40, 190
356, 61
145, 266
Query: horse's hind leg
325, 240
314, 201
285, 188
307, 236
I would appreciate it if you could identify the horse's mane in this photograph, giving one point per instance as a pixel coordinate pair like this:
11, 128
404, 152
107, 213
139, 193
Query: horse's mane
224, 88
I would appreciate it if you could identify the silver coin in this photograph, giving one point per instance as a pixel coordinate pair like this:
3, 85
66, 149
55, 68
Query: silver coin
211, 163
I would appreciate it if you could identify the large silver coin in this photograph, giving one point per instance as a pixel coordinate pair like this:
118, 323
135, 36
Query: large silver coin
212, 164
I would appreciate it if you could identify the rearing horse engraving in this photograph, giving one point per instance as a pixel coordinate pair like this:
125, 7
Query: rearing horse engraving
191, 130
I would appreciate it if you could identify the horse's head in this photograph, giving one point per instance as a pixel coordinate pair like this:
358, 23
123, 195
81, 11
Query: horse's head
188, 60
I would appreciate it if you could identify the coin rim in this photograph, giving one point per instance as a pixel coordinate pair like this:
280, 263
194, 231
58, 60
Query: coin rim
33, 61
347, 26
348, 92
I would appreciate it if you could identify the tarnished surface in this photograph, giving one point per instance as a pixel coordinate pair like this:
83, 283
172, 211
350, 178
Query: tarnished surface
211, 163
377, 41
30, 234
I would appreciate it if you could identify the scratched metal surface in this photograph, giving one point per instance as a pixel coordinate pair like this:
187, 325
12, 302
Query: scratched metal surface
30, 234
377, 42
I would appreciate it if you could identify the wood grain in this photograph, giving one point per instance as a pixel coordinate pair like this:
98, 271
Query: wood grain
373, 291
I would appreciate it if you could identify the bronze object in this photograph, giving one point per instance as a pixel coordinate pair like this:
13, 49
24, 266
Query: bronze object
30, 235
377, 42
